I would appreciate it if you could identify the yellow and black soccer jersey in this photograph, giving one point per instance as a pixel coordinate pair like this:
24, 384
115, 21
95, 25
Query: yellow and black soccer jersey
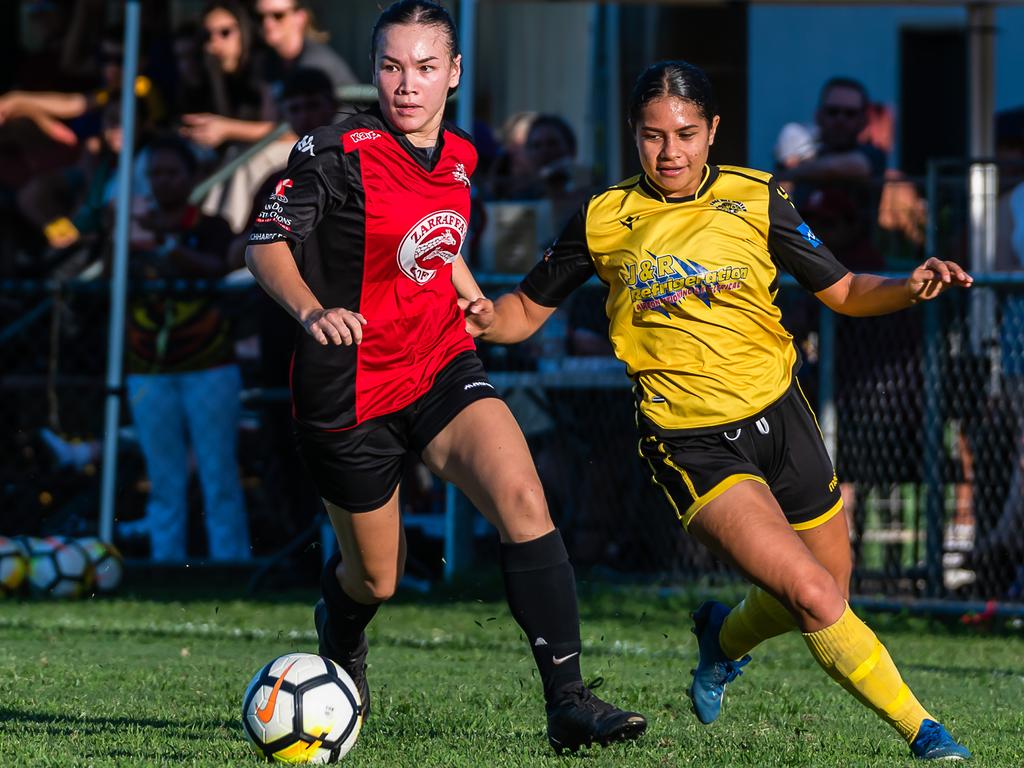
692, 284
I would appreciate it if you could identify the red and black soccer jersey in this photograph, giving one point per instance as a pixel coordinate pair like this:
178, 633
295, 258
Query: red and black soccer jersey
375, 224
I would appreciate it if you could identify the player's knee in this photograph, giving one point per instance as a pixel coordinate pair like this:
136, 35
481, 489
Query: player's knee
814, 596
373, 588
524, 511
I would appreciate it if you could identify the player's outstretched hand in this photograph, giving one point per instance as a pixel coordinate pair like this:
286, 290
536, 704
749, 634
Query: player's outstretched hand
935, 276
335, 326
479, 315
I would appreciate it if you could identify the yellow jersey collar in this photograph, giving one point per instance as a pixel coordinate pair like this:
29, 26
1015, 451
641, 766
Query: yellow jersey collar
710, 174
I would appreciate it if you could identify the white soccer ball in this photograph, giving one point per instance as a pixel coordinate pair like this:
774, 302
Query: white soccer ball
13, 567
302, 708
58, 568
107, 563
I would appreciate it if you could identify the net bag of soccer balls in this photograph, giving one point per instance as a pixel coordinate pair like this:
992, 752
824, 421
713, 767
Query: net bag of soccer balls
58, 567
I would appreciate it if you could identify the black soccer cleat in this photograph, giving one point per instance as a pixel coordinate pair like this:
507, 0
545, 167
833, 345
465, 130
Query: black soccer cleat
353, 662
579, 718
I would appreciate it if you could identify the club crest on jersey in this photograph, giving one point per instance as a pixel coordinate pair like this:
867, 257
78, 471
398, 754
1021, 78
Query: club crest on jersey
434, 241
729, 206
459, 174
306, 145
279, 190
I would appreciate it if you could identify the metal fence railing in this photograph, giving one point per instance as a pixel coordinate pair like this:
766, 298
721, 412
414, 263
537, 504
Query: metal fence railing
926, 428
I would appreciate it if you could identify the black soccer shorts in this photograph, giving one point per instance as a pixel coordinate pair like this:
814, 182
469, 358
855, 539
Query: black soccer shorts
782, 447
358, 469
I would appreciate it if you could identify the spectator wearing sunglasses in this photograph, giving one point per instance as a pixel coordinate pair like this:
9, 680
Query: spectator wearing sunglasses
838, 188
840, 168
227, 105
289, 30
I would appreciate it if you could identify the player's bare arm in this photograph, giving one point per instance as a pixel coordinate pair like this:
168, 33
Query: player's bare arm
465, 284
863, 295
274, 268
510, 319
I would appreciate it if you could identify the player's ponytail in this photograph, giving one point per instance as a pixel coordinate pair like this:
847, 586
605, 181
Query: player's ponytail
673, 78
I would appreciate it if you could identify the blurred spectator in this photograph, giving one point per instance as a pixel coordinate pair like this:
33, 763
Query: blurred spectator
510, 162
549, 169
307, 102
295, 45
834, 171
543, 189
836, 188
183, 386
228, 104
72, 207
51, 111
289, 29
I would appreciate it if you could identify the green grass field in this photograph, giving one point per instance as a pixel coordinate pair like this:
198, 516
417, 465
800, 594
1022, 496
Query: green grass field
151, 680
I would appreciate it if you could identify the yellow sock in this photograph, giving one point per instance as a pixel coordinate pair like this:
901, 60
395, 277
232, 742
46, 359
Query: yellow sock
758, 617
849, 651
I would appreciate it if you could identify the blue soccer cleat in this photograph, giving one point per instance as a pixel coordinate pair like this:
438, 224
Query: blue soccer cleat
933, 742
714, 669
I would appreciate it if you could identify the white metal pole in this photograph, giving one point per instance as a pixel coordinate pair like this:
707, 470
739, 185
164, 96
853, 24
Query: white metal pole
467, 35
456, 548
982, 177
613, 100
119, 276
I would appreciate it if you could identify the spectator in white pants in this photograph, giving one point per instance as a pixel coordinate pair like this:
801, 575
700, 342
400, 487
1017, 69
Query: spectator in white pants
183, 384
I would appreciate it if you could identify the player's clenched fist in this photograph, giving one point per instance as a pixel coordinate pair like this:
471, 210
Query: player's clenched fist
479, 315
335, 326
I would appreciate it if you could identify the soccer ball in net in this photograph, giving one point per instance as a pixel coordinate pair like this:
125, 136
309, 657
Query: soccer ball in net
107, 564
58, 568
302, 708
13, 567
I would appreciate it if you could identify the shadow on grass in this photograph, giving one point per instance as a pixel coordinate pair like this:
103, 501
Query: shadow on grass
62, 725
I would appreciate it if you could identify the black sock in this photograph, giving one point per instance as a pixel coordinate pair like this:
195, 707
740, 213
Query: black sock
541, 591
346, 619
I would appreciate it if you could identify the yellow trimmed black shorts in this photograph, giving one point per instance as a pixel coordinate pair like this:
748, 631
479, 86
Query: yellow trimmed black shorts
782, 447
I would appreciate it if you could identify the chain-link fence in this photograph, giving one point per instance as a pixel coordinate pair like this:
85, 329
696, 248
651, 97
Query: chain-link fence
922, 411
196, 386
926, 434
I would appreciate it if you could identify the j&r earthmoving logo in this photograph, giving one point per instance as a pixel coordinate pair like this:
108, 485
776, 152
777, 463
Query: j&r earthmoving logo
656, 281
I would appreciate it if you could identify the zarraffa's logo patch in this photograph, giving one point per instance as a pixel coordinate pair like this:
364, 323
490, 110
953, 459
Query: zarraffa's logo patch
433, 241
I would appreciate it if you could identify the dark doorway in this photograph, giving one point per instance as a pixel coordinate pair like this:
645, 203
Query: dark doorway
933, 96
713, 38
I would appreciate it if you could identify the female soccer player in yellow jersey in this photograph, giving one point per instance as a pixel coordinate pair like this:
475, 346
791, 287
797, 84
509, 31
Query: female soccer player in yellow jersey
691, 255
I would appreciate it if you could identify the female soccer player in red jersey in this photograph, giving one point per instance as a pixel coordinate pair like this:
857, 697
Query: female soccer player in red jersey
691, 255
360, 242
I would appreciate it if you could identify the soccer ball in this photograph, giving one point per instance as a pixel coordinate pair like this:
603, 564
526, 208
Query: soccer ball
302, 708
57, 568
13, 567
107, 564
